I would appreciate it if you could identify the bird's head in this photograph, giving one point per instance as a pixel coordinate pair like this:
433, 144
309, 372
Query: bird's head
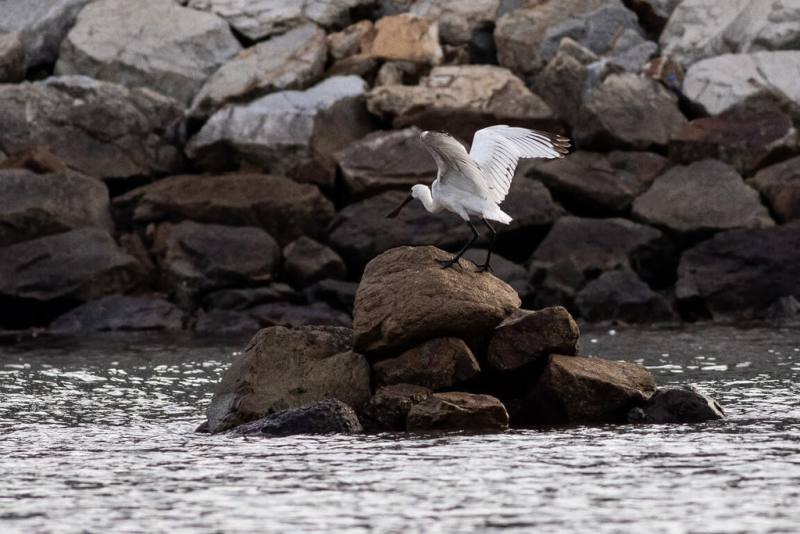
416, 192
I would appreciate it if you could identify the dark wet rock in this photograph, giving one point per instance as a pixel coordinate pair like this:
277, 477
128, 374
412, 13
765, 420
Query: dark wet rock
436, 364
147, 43
338, 293
12, 58
97, 128
621, 295
328, 416
745, 142
34, 280
457, 411
465, 97
599, 183
293, 60
198, 258
36, 205
284, 208
783, 309
405, 298
404, 37
529, 337
283, 368
629, 111
701, 198
323, 119
389, 407
243, 298
578, 390
779, 186
578, 250
506, 270
679, 404
458, 21
730, 81
740, 272
119, 313
385, 160
306, 261
226, 322
289, 314
42, 25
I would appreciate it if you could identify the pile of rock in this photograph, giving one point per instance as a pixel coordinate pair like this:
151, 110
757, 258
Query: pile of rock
436, 349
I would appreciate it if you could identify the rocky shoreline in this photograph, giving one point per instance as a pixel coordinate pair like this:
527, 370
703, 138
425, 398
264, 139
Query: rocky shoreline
436, 350
220, 166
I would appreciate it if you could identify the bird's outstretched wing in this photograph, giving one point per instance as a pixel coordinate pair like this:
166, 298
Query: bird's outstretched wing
456, 168
497, 149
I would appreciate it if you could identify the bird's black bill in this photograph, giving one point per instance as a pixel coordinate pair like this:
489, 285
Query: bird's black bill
395, 212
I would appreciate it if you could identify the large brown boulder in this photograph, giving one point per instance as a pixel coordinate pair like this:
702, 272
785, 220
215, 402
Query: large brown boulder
405, 298
282, 368
100, 129
458, 411
35, 205
389, 407
573, 390
284, 208
436, 364
779, 186
529, 337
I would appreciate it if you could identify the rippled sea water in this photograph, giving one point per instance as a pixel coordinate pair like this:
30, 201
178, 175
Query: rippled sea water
96, 436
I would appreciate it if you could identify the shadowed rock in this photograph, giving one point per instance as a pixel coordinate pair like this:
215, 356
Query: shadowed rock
288, 314
306, 261
226, 322
389, 407
12, 58
324, 417
405, 298
118, 313
621, 295
779, 185
457, 411
282, 368
529, 337
436, 364
681, 404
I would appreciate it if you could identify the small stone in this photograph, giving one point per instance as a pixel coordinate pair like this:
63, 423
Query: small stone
677, 405
436, 364
457, 411
329, 416
389, 407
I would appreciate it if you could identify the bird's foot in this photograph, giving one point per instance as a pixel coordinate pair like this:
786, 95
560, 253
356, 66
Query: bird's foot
485, 268
448, 263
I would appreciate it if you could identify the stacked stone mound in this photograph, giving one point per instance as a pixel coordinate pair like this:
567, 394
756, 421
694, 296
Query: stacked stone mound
435, 349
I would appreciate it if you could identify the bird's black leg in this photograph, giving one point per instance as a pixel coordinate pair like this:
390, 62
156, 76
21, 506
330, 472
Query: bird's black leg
486, 267
452, 261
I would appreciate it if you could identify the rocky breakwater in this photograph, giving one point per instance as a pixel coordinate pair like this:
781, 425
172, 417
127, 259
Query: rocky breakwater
435, 349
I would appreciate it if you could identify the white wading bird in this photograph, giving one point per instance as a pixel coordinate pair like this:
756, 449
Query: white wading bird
475, 183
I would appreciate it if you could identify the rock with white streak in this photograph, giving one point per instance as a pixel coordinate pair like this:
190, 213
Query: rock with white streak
149, 43
289, 61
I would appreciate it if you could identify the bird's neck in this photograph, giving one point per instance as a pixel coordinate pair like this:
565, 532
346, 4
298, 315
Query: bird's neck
427, 200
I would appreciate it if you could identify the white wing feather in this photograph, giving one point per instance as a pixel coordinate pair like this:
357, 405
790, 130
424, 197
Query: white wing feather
497, 150
456, 168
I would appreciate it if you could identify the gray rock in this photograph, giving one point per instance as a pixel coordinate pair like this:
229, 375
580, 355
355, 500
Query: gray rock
42, 25
32, 273
306, 261
338, 293
566, 81
284, 208
98, 128
290, 61
241, 299
621, 295
389, 407
700, 29
436, 364
578, 250
328, 416
291, 133
677, 405
745, 141
198, 258
283, 368
779, 186
599, 184
257, 19
384, 160
118, 313
347, 42
12, 58
457, 411
457, 19
704, 197
149, 43
36, 205
226, 323
721, 83
465, 97
529, 337
627, 110
294, 315
739, 273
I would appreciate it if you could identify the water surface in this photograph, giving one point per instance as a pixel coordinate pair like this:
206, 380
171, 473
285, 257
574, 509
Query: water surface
96, 436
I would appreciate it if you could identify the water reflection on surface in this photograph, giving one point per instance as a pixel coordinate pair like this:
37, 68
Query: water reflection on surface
97, 437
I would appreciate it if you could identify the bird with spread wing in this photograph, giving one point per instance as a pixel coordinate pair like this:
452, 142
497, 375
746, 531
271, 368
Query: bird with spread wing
474, 183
